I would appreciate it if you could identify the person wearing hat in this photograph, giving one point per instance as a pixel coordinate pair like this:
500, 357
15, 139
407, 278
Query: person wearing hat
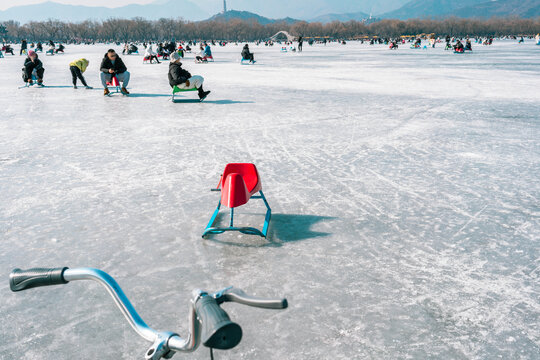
77, 67
33, 64
183, 79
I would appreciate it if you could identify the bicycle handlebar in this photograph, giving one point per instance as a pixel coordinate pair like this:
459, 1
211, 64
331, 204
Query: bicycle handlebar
207, 320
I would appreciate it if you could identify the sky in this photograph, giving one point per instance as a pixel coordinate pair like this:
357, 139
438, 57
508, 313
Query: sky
4, 4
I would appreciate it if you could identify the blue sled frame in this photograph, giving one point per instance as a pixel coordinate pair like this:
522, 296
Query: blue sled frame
210, 229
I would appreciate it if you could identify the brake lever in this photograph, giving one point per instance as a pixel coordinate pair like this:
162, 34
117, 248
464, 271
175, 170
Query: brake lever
231, 294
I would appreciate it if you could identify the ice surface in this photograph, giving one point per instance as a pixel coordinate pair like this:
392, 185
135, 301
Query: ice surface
405, 188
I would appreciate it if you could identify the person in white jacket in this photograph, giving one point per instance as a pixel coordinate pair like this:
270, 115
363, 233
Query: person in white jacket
150, 54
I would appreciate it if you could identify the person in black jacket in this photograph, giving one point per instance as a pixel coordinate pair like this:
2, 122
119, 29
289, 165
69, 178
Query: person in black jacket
112, 65
182, 78
246, 55
24, 47
31, 64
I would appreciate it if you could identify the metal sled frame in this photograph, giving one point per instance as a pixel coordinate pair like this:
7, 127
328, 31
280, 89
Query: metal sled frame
177, 90
244, 230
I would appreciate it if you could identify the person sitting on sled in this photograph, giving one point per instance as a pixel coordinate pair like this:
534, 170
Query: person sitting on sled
207, 51
77, 68
112, 65
60, 48
201, 56
149, 54
459, 47
8, 49
31, 64
182, 78
246, 55
39, 47
51, 49
468, 45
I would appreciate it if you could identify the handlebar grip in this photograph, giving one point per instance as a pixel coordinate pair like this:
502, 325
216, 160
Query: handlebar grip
218, 331
241, 297
26, 279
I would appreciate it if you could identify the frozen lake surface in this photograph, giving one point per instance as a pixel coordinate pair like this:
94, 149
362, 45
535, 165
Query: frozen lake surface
405, 189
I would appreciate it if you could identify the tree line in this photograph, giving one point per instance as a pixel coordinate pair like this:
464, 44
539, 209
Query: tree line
139, 29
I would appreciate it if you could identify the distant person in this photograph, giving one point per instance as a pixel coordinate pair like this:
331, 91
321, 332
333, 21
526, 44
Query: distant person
150, 55
51, 49
8, 49
132, 49
60, 49
300, 43
247, 55
39, 47
24, 47
112, 65
201, 56
208, 52
77, 68
33, 66
183, 79
468, 45
459, 46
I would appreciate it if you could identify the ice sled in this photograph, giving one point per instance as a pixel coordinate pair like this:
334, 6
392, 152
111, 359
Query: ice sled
176, 90
114, 83
34, 79
239, 183
246, 62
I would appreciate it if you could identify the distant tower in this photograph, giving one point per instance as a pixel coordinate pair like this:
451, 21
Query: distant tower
224, 6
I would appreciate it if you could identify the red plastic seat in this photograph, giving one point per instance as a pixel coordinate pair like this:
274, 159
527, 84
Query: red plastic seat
114, 82
238, 183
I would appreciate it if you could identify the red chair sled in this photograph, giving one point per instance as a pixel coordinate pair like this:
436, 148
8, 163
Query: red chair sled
238, 184
115, 84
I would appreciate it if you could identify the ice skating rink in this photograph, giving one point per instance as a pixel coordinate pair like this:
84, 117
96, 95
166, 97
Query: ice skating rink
405, 189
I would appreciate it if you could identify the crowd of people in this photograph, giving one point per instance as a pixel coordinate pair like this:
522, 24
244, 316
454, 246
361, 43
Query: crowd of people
113, 67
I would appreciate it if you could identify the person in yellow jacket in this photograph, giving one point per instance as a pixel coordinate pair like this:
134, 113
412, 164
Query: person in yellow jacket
77, 68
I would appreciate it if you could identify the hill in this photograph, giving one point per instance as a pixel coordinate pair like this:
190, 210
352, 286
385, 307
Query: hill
428, 8
248, 16
501, 8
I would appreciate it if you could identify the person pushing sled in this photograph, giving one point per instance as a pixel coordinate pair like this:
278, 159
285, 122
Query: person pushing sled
77, 68
181, 80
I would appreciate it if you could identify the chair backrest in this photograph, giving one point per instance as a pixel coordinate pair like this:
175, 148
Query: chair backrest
114, 82
248, 172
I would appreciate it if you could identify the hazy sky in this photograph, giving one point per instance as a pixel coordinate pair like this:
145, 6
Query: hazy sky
4, 4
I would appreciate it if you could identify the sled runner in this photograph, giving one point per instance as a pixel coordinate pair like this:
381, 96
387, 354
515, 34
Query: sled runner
238, 184
247, 62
